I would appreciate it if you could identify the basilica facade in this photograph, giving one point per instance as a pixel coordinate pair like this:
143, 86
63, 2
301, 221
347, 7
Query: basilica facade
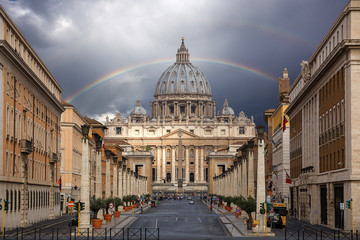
174, 144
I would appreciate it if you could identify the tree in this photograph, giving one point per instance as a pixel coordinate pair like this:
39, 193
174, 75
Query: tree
118, 202
228, 200
96, 205
249, 206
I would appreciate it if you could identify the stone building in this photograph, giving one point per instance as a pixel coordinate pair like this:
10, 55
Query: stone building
324, 123
29, 146
280, 144
171, 146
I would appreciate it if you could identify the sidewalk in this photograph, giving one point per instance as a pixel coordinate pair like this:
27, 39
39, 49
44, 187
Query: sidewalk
235, 226
125, 218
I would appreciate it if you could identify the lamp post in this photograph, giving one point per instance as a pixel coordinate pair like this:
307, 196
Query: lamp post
85, 183
260, 188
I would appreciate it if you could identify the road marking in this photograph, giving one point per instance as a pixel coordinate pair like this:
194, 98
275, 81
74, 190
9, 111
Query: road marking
156, 223
177, 218
199, 219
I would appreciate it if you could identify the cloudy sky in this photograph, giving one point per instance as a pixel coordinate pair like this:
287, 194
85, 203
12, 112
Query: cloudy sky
83, 42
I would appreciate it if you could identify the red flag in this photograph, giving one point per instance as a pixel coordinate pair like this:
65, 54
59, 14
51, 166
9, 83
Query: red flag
288, 179
284, 123
60, 184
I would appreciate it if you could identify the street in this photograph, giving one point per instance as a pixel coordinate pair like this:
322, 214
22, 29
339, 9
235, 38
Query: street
177, 219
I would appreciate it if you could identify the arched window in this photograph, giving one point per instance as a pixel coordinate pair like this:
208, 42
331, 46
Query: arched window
191, 177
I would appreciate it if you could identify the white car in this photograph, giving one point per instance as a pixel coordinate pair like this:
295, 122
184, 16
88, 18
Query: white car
189, 198
191, 202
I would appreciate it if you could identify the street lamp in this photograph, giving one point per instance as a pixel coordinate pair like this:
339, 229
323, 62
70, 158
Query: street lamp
85, 130
98, 142
260, 131
107, 153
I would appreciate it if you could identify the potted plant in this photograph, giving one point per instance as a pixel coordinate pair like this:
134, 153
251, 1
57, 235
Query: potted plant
228, 201
249, 206
126, 200
108, 216
118, 202
95, 206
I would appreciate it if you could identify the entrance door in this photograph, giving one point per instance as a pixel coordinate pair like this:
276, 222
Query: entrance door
323, 203
168, 177
339, 198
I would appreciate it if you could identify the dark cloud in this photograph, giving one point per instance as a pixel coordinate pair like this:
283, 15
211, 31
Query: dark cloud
82, 41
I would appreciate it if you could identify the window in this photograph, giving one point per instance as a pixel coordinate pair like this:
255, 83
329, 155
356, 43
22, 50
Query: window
118, 130
137, 132
182, 109
168, 131
171, 108
241, 130
193, 108
168, 154
192, 153
191, 130
208, 132
222, 131
151, 132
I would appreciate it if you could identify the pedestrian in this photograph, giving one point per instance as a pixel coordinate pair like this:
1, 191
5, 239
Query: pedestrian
211, 207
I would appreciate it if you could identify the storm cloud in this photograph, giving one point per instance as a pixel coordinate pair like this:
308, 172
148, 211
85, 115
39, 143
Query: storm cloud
84, 41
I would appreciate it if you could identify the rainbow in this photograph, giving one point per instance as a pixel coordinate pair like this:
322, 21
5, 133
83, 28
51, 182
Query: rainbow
131, 68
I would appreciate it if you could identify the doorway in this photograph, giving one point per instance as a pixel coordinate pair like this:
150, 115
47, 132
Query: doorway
339, 198
323, 203
168, 177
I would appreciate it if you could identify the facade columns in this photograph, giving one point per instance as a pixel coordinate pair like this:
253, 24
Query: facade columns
251, 182
164, 162
173, 179
108, 179
98, 184
124, 180
260, 184
158, 165
120, 188
128, 179
196, 164
115, 181
202, 165
85, 191
24, 190
187, 167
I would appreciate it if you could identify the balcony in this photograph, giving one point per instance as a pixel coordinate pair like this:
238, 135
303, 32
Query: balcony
26, 146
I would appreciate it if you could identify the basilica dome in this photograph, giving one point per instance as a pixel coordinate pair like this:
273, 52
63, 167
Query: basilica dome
225, 110
182, 77
138, 109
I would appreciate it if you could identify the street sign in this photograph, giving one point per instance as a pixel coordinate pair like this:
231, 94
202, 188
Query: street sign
71, 204
342, 206
111, 205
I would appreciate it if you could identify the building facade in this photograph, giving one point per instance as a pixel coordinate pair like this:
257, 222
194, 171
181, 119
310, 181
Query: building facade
30, 131
324, 124
181, 131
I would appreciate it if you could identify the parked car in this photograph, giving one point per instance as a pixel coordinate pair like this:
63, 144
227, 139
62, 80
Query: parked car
191, 202
189, 198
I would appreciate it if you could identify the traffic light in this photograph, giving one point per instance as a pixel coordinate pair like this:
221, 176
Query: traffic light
82, 206
268, 207
262, 208
6, 205
348, 203
76, 206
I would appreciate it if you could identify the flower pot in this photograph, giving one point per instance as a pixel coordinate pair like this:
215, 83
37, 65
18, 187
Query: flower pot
229, 209
96, 223
107, 217
117, 214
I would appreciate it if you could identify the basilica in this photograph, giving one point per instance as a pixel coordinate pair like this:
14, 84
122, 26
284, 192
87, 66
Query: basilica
183, 142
